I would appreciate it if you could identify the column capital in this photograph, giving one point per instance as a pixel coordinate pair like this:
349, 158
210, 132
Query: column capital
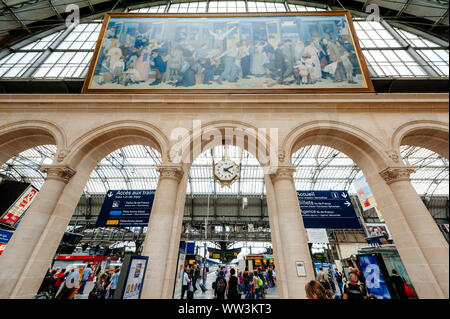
173, 171
397, 173
283, 172
59, 172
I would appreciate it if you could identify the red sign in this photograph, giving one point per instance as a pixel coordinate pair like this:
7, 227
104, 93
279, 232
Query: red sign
19, 207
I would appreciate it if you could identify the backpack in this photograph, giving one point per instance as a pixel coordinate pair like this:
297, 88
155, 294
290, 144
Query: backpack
360, 289
260, 282
221, 286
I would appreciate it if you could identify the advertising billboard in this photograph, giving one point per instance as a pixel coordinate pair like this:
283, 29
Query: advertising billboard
327, 209
375, 281
126, 208
131, 277
250, 53
377, 229
13, 214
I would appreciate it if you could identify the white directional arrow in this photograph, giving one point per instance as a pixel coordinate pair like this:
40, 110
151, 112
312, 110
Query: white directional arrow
344, 195
110, 194
347, 203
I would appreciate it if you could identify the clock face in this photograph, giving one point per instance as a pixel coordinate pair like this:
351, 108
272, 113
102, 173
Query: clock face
225, 170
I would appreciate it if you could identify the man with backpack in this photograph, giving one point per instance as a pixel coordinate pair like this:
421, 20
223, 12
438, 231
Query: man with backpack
354, 290
338, 276
220, 286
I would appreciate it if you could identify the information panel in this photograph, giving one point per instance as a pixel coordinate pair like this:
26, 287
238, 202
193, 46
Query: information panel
327, 209
126, 208
5, 236
131, 277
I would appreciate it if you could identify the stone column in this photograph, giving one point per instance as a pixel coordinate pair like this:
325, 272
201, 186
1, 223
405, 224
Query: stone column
423, 227
159, 233
293, 244
26, 258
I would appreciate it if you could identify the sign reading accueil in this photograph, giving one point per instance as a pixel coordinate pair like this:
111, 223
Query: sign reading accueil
327, 209
126, 208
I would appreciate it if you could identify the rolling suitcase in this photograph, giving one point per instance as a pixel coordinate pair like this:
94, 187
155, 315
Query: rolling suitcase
203, 288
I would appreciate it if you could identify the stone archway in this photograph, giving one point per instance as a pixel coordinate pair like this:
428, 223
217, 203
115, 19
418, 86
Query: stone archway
389, 181
20, 136
432, 135
46, 221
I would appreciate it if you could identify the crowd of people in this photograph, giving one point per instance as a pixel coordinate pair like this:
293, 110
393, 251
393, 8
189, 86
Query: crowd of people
60, 283
337, 286
186, 61
230, 284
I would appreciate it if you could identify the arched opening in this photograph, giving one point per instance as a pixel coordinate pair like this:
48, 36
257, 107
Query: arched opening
97, 239
345, 227
226, 227
20, 181
430, 180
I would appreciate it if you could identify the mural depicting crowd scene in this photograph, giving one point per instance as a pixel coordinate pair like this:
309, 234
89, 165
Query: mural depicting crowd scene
227, 52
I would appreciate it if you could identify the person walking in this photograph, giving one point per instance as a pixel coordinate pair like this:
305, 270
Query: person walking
354, 290
232, 292
399, 284
99, 291
113, 283
256, 286
186, 282
86, 273
315, 290
220, 286
59, 278
246, 280
322, 278
270, 275
338, 276
331, 281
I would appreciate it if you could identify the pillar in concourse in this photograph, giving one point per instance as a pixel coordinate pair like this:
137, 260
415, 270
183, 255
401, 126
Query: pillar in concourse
423, 227
26, 258
160, 232
293, 244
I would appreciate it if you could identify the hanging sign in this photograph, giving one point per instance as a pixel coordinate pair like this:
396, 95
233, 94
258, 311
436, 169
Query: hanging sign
327, 209
16, 210
126, 208
5, 236
317, 235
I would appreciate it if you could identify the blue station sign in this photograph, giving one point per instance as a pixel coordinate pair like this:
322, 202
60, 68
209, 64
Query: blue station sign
126, 208
327, 209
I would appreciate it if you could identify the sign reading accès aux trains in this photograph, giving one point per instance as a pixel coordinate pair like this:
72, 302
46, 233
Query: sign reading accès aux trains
327, 209
126, 208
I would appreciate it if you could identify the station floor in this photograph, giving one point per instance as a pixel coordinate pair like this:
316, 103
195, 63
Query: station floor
272, 293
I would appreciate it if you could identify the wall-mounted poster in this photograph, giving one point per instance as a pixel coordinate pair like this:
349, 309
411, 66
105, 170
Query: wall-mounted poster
251, 53
131, 277
378, 229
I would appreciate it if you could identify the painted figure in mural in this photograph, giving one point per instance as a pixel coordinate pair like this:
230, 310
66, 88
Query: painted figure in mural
219, 55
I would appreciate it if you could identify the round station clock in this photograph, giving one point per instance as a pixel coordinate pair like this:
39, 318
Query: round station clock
225, 171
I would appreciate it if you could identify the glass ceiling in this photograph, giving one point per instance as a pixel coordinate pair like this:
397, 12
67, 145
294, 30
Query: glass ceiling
390, 52
318, 167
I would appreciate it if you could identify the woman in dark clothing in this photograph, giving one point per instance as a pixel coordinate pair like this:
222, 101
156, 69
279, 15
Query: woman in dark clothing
399, 284
220, 286
99, 291
232, 286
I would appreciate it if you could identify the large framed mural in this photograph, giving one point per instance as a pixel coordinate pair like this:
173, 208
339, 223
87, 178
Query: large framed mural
211, 53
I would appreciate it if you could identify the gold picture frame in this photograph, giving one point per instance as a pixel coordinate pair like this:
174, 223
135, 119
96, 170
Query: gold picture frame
365, 83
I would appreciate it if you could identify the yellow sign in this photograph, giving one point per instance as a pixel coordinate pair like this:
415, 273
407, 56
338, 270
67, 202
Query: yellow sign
112, 222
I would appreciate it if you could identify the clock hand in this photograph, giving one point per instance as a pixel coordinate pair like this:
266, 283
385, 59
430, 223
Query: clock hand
226, 169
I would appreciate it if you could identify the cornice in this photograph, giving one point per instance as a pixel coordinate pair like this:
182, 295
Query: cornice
369, 102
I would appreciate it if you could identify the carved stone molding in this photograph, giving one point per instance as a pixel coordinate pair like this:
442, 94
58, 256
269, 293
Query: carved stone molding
393, 155
283, 172
281, 155
395, 174
62, 155
58, 172
170, 171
